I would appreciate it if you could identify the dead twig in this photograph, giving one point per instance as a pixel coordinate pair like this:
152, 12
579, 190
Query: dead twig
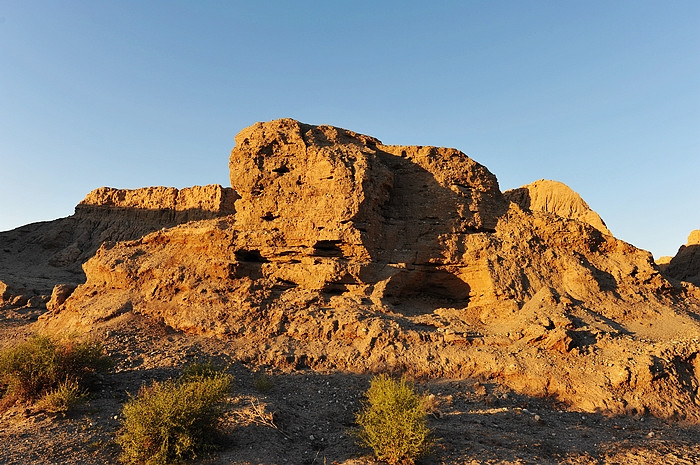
257, 414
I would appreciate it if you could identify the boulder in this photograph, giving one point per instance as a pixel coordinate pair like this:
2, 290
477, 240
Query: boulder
59, 295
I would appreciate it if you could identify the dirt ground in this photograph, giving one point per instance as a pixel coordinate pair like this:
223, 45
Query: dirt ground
305, 415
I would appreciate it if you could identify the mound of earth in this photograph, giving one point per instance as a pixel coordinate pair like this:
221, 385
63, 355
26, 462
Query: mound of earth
346, 254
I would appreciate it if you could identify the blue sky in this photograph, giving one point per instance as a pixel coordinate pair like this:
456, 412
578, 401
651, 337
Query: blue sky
601, 95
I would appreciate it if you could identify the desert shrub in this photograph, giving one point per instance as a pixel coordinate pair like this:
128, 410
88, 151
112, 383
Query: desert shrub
175, 420
200, 369
61, 399
393, 421
41, 364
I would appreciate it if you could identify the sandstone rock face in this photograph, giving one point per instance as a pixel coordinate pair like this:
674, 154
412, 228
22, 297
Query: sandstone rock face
35, 257
182, 205
685, 266
556, 198
694, 237
345, 253
338, 210
314, 183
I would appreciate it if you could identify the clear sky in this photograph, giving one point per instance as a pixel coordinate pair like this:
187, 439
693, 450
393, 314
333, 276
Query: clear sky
601, 95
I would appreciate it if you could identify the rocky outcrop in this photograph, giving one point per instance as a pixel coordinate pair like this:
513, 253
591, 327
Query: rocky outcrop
685, 265
38, 256
694, 237
345, 253
556, 198
174, 205
663, 261
321, 198
323, 212
111, 215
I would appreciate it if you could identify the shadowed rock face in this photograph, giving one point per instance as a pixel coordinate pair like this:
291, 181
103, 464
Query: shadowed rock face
685, 266
345, 253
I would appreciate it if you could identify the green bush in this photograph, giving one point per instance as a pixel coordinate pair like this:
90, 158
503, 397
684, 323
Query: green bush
174, 420
393, 421
41, 364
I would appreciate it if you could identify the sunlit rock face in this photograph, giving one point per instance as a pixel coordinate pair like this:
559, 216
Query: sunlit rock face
556, 198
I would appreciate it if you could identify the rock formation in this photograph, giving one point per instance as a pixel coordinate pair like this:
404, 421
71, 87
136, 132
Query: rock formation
685, 265
35, 257
344, 253
663, 261
556, 198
